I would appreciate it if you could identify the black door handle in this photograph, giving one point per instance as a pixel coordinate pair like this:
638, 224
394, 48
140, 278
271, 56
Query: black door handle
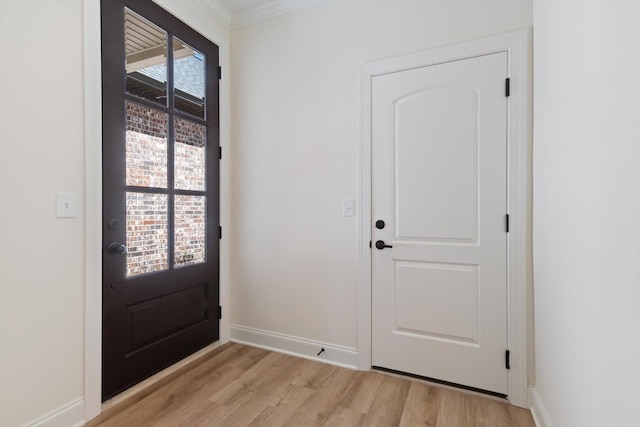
380, 245
117, 249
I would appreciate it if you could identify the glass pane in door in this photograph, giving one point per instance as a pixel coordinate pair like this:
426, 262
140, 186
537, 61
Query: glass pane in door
146, 58
146, 139
147, 233
190, 230
189, 155
188, 78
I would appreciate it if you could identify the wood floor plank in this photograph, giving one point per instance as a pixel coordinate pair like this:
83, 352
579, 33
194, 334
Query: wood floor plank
312, 375
521, 417
362, 391
270, 389
278, 415
246, 382
168, 400
200, 417
317, 410
489, 413
241, 414
388, 404
345, 417
454, 410
242, 386
421, 406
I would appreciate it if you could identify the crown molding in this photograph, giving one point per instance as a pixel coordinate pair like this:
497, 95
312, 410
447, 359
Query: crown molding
217, 10
270, 9
267, 10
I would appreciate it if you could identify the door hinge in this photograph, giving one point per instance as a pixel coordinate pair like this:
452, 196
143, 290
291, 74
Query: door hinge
507, 362
219, 73
507, 87
220, 232
220, 153
506, 223
219, 312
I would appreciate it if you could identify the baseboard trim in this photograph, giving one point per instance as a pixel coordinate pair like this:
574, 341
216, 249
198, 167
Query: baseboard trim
294, 346
538, 410
71, 415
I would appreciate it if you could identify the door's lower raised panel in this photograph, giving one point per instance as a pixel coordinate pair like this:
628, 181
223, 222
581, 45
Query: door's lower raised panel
437, 301
155, 319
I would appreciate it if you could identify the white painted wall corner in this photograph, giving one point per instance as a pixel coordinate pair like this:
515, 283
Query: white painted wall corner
307, 349
538, 410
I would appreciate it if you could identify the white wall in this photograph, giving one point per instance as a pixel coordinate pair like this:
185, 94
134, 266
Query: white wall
587, 212
295, 136
48, 268
41, 257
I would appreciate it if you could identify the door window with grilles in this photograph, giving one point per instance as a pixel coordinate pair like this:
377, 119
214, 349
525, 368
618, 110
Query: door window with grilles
166, 200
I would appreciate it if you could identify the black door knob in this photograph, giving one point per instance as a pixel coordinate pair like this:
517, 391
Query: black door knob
117, 249
380, 245
379, 224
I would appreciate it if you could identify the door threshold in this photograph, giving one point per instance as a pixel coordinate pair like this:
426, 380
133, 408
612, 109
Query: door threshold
445, 384
136, 393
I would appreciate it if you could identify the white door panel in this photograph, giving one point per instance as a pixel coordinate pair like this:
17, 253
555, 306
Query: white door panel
439, 183
453, 315
455, 217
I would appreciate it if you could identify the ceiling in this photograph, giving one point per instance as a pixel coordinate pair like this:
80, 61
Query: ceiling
239, 13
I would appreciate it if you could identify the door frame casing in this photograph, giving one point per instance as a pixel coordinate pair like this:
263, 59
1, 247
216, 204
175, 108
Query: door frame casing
200, 20
517, 46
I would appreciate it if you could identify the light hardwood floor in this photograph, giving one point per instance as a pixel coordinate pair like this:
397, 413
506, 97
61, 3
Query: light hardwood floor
237, 385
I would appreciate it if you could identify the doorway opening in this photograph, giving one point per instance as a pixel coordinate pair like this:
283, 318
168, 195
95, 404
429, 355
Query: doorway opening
161, 226
516, 46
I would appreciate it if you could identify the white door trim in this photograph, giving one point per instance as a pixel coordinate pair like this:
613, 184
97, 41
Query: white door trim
517, 46
93, 209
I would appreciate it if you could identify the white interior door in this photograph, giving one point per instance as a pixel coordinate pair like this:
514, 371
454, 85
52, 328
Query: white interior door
439, 153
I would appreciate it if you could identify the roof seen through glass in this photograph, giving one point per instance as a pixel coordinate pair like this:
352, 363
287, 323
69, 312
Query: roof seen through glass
188, 74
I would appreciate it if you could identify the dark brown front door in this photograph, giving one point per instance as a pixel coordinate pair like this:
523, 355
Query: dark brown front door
160, 191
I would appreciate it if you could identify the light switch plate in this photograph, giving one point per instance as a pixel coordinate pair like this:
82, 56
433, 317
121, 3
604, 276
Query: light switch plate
65, 204
348, 206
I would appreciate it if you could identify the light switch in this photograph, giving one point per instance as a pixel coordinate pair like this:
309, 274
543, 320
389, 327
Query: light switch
65, 204
348, 206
